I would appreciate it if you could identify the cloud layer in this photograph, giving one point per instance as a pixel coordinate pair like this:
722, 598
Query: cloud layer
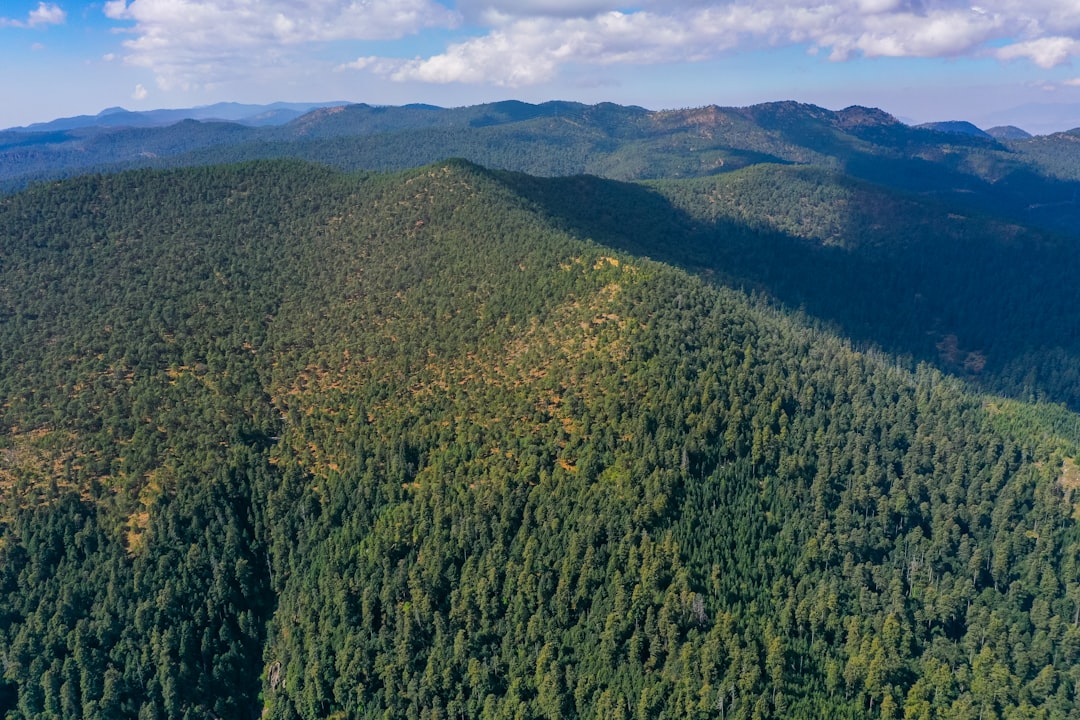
521, 42
194, 42
528, 42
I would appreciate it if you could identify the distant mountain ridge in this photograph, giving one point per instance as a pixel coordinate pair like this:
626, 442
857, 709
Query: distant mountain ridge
280, 113
1029, 179
1037, 118
277, 113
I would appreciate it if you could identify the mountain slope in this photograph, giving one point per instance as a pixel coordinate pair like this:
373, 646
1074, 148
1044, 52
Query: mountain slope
283, 441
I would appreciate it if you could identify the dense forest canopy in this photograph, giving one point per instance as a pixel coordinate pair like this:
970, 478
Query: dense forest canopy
281, 441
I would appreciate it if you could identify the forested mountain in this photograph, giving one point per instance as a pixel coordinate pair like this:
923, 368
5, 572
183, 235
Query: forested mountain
1031, 181
278, 441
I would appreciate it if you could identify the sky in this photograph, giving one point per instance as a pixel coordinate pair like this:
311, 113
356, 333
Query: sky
988, 61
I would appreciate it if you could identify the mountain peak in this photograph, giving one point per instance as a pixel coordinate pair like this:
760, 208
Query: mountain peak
860, 116
955, 127
1008, 132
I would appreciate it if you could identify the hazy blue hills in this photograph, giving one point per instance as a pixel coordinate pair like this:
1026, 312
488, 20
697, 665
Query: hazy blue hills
244, 114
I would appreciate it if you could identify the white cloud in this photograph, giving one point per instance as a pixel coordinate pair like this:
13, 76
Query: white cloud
1072, 82
1045, 52
140, 92
115, 9
46, 14
43, 14
935, 34
194, 42
530, 50
190, 43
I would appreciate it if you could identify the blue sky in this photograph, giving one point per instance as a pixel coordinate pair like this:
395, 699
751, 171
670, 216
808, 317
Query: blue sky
989, 61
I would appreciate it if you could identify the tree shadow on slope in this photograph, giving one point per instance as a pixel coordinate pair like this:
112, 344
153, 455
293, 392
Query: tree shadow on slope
998, 311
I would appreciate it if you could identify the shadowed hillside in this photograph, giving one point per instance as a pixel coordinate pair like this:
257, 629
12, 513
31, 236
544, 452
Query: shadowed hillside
991, 302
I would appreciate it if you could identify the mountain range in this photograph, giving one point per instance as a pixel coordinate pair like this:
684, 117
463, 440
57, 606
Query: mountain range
540, 411
1031, 178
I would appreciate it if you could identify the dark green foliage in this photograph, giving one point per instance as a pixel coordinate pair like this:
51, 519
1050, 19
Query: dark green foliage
280, 441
